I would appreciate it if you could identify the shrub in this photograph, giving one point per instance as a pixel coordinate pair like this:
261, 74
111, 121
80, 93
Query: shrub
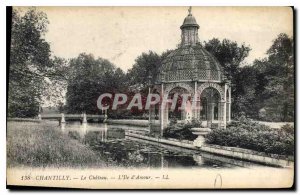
247, 134
181, 131
196, 122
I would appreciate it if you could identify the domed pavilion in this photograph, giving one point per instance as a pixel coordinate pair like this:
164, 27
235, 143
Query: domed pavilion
191, 69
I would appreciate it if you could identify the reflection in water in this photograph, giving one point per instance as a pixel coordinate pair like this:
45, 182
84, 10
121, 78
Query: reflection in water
63, 127
116, 149
83, 129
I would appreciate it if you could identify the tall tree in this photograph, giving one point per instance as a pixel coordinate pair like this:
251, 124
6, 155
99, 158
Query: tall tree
230, 55
247, 102
29, 60
147, 64
278, 71
88, 78
266, 89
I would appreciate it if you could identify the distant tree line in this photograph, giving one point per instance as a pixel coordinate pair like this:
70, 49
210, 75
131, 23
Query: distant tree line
263, 90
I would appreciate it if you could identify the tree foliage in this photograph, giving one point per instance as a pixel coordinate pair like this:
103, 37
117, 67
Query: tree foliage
88, 78
231, 56
277, 80
147, 64
266, 86
29, 60
55, 84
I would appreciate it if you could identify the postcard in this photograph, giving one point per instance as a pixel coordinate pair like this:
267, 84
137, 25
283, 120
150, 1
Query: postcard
150, 97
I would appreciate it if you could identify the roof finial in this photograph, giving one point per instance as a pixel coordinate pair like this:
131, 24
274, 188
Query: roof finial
190, 10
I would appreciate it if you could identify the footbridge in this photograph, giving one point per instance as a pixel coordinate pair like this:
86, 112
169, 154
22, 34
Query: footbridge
63, 117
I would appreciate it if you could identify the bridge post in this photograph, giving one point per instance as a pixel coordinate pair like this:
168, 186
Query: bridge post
105, 116
84, 118
63, 118
40, 117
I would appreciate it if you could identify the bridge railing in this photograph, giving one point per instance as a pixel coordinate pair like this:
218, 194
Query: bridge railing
73, 116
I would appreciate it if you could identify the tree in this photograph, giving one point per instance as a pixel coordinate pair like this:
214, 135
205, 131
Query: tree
231, 55
147, 64
267, 87
247, 102
29, 60
88, 78
278, 72
55, 84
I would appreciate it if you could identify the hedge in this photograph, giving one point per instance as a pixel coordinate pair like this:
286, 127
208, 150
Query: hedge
247, 134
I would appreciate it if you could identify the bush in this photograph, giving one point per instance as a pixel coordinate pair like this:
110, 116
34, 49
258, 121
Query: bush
181, 131
247, 134
196, 122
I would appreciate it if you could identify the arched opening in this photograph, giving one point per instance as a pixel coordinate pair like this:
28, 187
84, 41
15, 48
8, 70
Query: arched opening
179, 110
210, 106
227, 95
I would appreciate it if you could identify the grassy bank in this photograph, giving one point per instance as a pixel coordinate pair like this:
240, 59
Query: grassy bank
44, 145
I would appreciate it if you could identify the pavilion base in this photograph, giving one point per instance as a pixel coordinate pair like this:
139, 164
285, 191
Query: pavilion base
155, 129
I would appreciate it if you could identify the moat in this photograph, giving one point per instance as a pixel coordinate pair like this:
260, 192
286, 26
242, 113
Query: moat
117, 149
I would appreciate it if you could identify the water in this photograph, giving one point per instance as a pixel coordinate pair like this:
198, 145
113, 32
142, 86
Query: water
110, 142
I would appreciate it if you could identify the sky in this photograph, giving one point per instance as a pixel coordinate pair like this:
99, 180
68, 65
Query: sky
120, 34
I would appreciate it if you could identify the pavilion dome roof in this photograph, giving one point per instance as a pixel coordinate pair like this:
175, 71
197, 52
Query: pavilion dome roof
192, 62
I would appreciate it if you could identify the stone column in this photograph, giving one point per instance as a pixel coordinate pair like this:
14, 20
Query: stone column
223, 114
166, 115
224, 102
209, 114
229, 111
196, 109
150, 110
220, 114
161, 111
194, 101
212, 112
151, 116
229, 105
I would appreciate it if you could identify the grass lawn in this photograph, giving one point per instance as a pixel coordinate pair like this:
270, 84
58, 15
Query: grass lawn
44, 145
